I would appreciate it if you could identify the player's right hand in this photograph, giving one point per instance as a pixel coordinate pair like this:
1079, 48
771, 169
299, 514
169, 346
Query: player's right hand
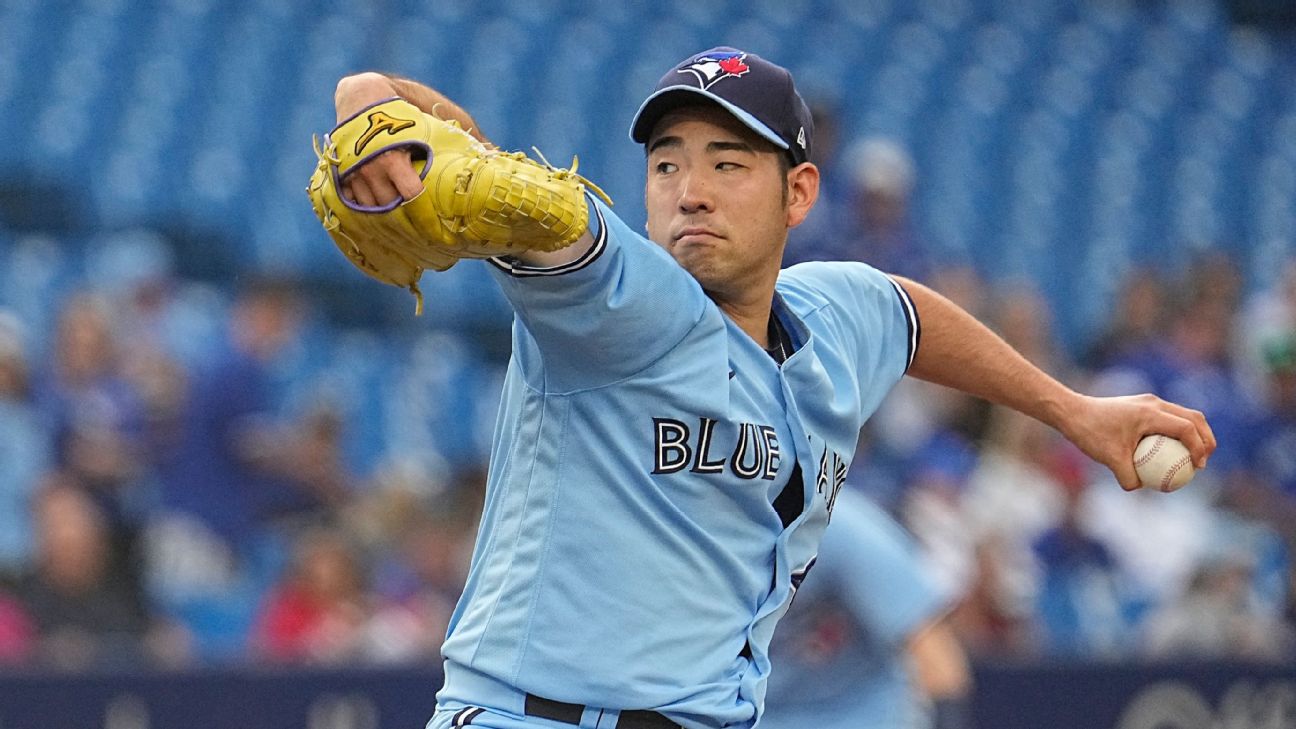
1109, 428
388, 176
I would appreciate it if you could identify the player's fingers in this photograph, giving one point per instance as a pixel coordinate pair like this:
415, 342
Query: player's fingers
1185, 431
362, 193
382, 188
400, 171
1125, 474
1198, 419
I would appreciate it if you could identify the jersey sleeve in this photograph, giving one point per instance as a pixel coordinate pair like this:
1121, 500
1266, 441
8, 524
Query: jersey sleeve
603, 317
882, 577
871, 318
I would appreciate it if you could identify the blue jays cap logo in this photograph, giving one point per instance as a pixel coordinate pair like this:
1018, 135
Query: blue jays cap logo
709, 68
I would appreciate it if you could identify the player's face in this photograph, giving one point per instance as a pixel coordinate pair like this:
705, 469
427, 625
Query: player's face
716, 199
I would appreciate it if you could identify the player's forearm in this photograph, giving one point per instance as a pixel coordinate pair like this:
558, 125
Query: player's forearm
960, 352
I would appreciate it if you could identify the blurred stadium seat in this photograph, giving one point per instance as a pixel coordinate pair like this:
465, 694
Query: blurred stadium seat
1126, 126
1054, 141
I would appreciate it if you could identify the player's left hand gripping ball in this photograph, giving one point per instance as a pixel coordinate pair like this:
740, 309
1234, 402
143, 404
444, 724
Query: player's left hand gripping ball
476, 202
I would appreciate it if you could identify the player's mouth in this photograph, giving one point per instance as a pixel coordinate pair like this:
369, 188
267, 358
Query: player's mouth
695, 234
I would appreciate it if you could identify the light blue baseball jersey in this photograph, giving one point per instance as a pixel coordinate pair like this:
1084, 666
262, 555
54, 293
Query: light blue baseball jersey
630, 554
840, 657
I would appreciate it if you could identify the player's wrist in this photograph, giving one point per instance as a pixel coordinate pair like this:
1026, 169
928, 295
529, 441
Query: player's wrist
1061, 409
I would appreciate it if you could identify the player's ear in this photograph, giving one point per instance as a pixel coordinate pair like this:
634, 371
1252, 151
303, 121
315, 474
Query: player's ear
803, 191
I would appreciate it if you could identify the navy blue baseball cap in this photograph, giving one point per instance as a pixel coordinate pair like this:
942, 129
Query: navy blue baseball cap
759, 93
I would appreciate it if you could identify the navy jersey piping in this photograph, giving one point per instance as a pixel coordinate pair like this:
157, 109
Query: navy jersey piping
911, 320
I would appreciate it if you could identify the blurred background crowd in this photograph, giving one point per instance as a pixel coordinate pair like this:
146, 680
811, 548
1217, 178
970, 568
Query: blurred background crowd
220, 444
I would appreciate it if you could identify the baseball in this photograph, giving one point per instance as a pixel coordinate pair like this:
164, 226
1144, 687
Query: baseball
1162, 463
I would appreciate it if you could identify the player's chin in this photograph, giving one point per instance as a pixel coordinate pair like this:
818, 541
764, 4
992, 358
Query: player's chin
696, 260
712, 278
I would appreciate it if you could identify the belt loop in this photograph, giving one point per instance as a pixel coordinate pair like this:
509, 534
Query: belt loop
608, 719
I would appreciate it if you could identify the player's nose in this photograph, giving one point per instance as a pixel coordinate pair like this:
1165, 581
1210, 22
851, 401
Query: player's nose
695, 194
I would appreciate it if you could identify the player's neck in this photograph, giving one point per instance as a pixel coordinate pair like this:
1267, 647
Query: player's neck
751, 316
748, 302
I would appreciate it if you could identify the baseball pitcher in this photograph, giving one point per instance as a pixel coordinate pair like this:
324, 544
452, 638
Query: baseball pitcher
679, 413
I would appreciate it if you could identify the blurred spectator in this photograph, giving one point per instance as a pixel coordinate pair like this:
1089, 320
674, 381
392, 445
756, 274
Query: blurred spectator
425, 567
1137, 325
87, 612
318, 613
419, 592
1262, 485
1080, 603
1011, 495
996, 614
307, 455
97, 415
1213, 275
161, 385
25, 451
874, 224
1270, 315
1008, 501
1272, 450
236, 466
156, 313
239, 480
1218, 616
935, 478
17, 632
429, 563
961, 284
1023, 318
978, 515
1180, 526
157, 336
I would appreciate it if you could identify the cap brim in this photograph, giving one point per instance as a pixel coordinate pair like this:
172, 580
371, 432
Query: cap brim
665, 100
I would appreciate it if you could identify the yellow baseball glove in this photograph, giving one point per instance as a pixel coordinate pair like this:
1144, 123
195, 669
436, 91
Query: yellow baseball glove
476, 202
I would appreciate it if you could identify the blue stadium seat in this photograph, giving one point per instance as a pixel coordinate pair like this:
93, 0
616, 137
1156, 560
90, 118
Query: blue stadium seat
863, 15
757, 37
220, 138
36, 273
16, 22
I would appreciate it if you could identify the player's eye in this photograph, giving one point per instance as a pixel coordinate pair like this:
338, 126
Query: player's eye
728, 166
665, 168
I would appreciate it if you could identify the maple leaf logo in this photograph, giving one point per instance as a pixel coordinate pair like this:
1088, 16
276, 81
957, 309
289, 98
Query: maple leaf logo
733, 66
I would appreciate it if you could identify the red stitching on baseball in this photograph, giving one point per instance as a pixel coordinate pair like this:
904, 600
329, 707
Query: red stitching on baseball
1170, 473
1156, 446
